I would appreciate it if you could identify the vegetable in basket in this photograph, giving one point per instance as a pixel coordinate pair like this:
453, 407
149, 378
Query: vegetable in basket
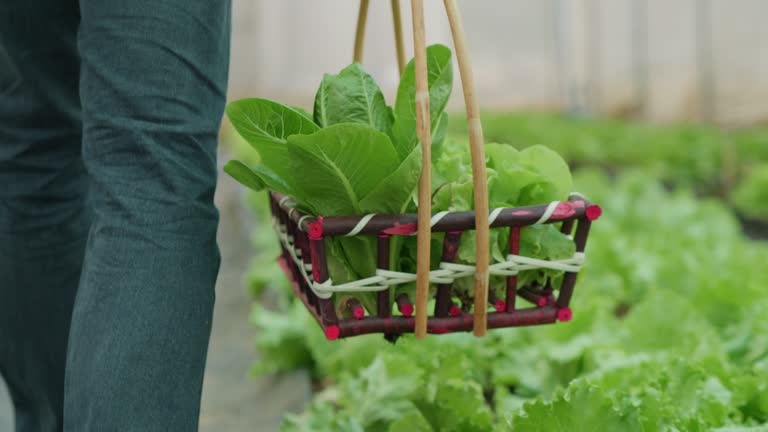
356, 155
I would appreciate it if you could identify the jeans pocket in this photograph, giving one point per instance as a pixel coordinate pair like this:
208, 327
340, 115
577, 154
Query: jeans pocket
9, 73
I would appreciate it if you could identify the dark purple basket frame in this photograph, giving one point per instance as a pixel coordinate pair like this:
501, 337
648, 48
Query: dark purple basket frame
309, 232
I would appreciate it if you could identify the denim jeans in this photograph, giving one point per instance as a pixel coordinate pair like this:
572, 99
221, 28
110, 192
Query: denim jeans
109, 113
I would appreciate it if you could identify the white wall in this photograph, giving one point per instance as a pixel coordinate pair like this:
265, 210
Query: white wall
644, 56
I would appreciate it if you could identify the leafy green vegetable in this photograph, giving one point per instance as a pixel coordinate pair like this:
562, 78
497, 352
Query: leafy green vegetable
393, 193
763, 428
266, 125
286, 341
439, 135
535, 175
258, 178
303, 112
671, 312
411, 420
669, 333
240, 172
440, 83
699, 156
365, 158
352, 96
336, 167
581, 407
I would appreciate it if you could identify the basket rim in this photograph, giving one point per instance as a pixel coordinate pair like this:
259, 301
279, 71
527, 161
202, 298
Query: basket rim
308, 255
576, 207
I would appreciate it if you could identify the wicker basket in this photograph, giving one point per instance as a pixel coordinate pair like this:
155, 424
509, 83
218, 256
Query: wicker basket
303, 236
303, 260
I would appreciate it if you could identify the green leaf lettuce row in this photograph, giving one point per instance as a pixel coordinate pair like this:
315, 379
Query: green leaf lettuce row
688, 352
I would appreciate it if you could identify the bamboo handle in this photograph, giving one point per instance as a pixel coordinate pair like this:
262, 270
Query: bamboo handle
479, 176
362, 16
425, 181
398, 28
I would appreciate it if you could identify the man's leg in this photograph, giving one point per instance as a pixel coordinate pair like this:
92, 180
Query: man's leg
43, 218
153, 84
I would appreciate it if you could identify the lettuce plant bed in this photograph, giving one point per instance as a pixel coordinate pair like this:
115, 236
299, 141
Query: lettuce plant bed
305, 263
686, 353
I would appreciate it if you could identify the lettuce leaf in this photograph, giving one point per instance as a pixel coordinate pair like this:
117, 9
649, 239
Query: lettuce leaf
266, 125
535, 175
352, 96
336, 167
440, 83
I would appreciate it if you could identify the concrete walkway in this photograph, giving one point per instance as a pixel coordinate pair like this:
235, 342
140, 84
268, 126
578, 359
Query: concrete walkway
233, 401
6, 412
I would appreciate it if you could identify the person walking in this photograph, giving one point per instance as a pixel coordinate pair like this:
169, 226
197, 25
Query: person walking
109, 117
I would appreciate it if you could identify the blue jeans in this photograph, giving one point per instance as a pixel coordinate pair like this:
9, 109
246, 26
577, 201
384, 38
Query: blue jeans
109, 113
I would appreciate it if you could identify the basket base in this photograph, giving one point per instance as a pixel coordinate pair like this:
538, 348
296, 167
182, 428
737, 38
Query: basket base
435, 325
396, 325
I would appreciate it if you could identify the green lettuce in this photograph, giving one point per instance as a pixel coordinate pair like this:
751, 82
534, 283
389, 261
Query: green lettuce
669, 333
352, 96
535, 175
355, 155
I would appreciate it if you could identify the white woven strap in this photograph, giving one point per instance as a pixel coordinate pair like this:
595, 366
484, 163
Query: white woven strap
547, 212
287, 241
494, 214
302, 219
437, 217
358, 228
370, 284
446, 274
360, 225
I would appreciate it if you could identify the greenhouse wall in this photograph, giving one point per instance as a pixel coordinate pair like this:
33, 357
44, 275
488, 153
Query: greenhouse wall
654, 59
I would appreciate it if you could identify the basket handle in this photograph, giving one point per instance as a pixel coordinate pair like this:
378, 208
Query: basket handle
479, 175
477, 151
423, 122
397, 26
362, 17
